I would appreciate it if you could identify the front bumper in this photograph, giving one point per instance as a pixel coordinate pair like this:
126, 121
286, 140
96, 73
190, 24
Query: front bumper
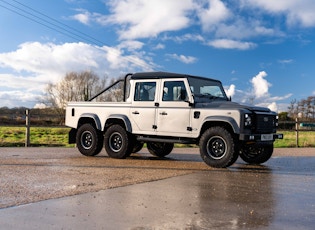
261, 137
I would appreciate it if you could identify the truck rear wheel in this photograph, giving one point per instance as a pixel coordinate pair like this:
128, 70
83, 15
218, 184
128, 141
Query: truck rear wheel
89, 140
256, 154
117, 142
217, 148
160, 149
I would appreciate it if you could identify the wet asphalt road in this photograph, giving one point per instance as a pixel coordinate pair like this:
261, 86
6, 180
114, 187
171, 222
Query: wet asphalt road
57, 188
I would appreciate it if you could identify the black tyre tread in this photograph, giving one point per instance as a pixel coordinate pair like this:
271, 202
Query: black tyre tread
160, 149
230, 156
97, 140
126, 148
137, 146
249, 155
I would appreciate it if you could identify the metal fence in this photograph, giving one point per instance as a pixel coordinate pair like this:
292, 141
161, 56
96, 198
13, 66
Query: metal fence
47, 120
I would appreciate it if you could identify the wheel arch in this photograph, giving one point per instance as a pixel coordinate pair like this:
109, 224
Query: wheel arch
226, 122
120, 119
90, 118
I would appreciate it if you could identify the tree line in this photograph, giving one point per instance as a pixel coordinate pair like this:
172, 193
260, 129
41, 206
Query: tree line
303, 109
38, 117
80, 86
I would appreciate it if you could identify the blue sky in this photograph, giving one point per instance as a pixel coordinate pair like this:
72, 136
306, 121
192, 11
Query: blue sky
261, 50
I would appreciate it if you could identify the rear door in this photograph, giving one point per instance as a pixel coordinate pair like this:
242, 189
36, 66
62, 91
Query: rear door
143, 108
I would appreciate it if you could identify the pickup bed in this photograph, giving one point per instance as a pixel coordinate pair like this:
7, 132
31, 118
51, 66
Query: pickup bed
161, 109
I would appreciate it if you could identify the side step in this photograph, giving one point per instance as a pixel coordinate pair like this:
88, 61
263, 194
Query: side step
166, 140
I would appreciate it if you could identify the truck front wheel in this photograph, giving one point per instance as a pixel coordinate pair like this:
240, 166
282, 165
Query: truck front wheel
117, 142
253, 154
89, 140
217, 148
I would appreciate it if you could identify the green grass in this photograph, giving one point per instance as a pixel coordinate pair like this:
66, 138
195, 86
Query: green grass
58, 136
39, 136
306, 139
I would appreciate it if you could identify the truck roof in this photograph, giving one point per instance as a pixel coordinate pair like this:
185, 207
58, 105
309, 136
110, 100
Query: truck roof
161, 75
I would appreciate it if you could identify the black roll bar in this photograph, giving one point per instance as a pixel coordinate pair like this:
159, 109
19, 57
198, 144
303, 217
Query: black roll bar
112, 85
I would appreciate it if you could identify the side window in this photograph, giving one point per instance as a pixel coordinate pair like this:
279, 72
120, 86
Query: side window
145, 91
174, 91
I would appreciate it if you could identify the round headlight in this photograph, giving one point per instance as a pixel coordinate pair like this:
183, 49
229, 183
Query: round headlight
247, 120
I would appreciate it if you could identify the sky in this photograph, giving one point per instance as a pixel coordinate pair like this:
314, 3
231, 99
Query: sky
261, 50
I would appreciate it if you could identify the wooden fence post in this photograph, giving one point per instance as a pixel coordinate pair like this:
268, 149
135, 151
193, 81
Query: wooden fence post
27, 123
297, 131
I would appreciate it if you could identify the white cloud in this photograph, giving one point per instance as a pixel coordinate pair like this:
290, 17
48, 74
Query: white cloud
53, 61
130, 45
230, 91
183, 58
28, 69
260, 84
159, 46
83, 16
185, 38
258, 94
231, 44
297, 12
285, 61
212, 13
12, 98
142, 18
242, 28
225, 24
273, 106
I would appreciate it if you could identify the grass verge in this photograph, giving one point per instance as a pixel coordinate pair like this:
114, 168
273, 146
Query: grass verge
58, 137
39, 136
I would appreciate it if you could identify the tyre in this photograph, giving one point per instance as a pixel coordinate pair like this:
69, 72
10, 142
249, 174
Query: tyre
89, 140
160, 149
253, 154
217, 148
137, 146
117, 142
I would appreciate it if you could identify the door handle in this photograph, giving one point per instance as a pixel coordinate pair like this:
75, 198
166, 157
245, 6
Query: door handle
163, 113
135, 112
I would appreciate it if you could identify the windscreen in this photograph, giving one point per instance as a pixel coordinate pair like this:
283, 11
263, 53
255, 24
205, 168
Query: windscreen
206, 90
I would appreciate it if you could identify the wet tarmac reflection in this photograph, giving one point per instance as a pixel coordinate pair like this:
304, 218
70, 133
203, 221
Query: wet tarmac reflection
278, 195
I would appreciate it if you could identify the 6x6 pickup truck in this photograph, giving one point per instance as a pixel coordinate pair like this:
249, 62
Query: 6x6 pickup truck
161, 109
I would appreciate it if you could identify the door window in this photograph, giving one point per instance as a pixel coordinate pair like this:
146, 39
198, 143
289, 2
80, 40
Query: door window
145, 91
174, 91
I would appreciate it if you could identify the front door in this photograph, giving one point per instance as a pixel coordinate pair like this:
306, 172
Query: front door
173, 113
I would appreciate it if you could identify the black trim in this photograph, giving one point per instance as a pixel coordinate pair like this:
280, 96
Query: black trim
257, 137
107, 88
165, 75
72, 136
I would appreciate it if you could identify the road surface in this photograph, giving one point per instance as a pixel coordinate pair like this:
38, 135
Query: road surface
57, 188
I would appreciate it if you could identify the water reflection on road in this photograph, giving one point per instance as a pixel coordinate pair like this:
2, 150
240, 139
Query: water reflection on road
276, 195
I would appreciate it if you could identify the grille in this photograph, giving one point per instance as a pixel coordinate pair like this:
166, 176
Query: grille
265, 123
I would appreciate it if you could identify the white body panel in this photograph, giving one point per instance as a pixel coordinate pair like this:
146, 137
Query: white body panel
155, 117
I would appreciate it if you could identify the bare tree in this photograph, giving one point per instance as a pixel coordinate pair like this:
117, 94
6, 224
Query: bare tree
73, 87
292, 109
305, 108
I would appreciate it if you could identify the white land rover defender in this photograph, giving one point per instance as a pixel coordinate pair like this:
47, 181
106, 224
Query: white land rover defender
161, 109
